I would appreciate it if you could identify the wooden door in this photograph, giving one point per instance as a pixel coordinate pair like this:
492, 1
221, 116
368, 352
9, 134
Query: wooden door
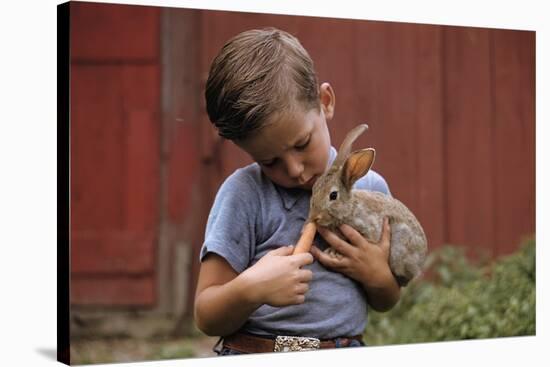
114, 150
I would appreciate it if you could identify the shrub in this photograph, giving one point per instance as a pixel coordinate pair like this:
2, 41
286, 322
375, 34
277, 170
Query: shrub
462, 301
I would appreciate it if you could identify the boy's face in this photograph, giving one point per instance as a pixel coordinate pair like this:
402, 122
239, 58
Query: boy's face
293, 150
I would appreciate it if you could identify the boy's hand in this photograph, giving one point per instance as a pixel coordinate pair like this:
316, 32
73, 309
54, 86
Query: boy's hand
361, 260
277, 278
365, 262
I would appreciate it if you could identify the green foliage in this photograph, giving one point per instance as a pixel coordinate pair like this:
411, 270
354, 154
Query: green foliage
462, 301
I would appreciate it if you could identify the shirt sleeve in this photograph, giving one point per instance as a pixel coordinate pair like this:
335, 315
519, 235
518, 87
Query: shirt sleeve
373, 181
230, 229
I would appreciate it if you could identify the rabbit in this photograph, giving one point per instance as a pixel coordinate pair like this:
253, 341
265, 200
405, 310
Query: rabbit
334, 202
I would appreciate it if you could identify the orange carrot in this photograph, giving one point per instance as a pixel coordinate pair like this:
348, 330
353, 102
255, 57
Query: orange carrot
306, 239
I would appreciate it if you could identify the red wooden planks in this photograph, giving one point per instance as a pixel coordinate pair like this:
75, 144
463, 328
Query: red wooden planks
114, 33
97, 162
386, 83
114, 171
115, 153
112, 252
514, 128
113, 291
114, 147
469, 144
429, 190
183, 172
140, 146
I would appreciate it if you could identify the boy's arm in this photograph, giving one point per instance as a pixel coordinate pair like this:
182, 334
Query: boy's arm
220, 293
383, 294
224, 299
365, 262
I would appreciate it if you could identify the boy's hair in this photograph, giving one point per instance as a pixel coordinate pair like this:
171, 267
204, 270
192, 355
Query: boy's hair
257, 74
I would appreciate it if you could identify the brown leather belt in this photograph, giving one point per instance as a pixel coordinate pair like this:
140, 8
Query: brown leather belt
246, 343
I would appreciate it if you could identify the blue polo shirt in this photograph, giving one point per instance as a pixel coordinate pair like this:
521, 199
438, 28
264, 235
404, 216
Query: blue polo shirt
252, 216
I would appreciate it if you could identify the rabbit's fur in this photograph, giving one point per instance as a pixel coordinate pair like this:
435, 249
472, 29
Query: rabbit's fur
365, 210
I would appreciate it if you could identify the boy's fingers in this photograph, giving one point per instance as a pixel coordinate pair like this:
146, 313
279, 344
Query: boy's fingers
337, 243
305, 276
302, 288
281, 251
327, 260
304, 259
354, 237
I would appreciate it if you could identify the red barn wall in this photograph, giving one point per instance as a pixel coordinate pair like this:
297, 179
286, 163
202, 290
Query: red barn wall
115, 100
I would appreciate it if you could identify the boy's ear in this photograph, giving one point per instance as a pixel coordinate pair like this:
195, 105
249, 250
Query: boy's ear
328, 100
356, 166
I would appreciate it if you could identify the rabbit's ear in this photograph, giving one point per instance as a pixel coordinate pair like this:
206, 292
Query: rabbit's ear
345, 148
357, 165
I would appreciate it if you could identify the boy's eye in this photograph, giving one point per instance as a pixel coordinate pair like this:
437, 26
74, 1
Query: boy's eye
303, 145
268, 163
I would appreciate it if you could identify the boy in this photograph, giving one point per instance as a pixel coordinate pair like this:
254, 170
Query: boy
262, 93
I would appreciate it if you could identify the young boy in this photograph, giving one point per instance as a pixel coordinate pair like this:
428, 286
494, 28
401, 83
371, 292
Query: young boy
262, 93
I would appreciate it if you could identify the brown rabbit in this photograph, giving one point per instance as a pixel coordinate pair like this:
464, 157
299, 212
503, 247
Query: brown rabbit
334, 203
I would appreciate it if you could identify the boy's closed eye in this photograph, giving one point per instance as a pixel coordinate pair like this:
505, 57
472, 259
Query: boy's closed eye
302, 145
269, 163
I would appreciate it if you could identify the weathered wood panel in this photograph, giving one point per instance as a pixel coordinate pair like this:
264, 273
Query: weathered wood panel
114, 32
115, 153
514, 135
469, 146
113, 291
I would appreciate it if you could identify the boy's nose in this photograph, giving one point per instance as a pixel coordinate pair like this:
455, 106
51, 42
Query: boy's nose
294, 168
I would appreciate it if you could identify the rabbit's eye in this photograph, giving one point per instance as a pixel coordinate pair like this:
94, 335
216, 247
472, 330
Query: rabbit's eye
333, 195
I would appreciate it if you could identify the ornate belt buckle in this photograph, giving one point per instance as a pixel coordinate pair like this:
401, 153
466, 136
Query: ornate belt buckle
295, 344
